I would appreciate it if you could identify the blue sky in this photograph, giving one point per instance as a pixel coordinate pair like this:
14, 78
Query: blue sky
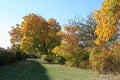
12, 11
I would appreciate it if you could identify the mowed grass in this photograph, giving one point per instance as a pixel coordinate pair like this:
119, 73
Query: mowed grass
37, 70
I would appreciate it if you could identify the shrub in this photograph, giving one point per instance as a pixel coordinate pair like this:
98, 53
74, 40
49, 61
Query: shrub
61, 60
84, 56
84, 64
69, 63
6, 57
47, 58
20, 56
11, 57
84, 60
105, 61
79, 60
2, 57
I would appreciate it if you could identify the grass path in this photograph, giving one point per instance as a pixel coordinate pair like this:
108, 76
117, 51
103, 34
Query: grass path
33, 70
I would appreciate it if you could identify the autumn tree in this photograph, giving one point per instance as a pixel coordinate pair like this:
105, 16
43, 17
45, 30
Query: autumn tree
107, 18
70, 48
36, 34
86, 28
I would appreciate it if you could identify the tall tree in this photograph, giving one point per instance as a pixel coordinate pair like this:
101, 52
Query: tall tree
108, 18
86, 30
37, 33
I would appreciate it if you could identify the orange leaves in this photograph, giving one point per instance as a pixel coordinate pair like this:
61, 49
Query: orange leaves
57, 49
97, 15
70, 29
34, 25
107, 18
60, 33
70, 35
52, 21
15, 34
35, 32
69, 43
66, 28
53, 25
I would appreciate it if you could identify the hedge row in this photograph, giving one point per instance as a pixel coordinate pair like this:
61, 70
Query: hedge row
6, 57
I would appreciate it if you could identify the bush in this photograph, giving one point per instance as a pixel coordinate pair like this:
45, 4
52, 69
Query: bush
20, 56
11, 57
84, 56
79, 60
84, 60
105, 61
61, 60
69, 63
47, 58
84, 64
6, 57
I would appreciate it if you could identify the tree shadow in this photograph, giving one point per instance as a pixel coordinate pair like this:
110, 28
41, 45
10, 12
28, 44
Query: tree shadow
25, 70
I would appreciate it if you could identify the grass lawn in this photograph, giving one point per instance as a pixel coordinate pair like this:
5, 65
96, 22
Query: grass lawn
34, 70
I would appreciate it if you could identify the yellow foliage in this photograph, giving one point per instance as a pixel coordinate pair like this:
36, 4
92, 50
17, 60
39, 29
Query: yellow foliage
56, 49
104, 60
61, 33
107, 19
15, 34
37, 32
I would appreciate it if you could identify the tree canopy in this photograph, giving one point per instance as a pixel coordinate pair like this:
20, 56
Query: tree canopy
35, 34
107, 18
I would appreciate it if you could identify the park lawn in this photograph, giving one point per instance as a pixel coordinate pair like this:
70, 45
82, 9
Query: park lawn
37, 70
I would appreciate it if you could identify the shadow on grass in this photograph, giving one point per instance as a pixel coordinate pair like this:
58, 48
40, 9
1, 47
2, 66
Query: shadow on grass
25, 70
